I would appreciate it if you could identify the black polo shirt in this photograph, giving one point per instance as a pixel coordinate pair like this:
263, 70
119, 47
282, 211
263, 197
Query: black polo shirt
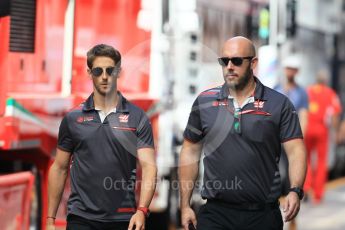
103, 171
241, 167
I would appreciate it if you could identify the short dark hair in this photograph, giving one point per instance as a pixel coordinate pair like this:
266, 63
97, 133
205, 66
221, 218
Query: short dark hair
105, 51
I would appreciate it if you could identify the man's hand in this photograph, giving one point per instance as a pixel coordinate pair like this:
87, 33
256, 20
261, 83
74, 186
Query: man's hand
137, 220
50, 225
187, 217
291, 206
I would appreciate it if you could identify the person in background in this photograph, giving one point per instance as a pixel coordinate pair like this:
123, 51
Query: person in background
106, 135
240, 127
290, 88
324, 112
299, 98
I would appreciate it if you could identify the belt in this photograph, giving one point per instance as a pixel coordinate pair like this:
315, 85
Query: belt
246, 206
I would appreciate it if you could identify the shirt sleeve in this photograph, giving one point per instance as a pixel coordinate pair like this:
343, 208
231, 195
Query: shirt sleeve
304, 100
193, 131
144, 133
289, 123
65, 141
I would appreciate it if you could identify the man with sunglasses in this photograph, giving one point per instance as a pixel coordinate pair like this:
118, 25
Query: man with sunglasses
240, 127
106, 135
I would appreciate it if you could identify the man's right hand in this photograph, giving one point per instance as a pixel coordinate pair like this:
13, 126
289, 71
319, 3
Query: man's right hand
187, 217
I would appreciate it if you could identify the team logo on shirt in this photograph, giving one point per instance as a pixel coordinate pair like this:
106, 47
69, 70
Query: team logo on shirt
123, 118
83, 119
259, 104
220, 103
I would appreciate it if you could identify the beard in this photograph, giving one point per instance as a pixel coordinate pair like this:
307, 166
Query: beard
242, 82
290, 79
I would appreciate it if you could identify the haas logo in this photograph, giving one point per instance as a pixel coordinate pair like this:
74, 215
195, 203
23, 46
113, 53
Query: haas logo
123, 118
259, 104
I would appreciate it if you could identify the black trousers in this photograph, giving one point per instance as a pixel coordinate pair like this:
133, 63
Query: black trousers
78, 223
221, 216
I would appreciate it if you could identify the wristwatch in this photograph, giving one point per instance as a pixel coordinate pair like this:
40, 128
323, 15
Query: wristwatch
297, 190
145, 210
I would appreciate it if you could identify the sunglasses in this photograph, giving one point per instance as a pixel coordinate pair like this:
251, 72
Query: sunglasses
237, 61
98, 71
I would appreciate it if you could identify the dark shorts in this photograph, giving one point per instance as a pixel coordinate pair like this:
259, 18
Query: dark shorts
219, 216
78, 223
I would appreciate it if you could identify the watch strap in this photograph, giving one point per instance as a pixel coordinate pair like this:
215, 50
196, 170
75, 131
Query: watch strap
297, 190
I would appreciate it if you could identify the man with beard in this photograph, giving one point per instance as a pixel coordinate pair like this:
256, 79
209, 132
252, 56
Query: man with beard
240, 127
105, 135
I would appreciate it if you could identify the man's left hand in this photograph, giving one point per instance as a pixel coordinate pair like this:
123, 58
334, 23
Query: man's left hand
291, 206
137, 221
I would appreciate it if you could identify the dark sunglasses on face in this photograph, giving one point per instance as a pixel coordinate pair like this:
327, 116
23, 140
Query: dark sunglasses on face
236, 61
98, 71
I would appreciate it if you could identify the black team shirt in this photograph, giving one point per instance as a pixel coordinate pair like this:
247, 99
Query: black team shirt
103, 170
